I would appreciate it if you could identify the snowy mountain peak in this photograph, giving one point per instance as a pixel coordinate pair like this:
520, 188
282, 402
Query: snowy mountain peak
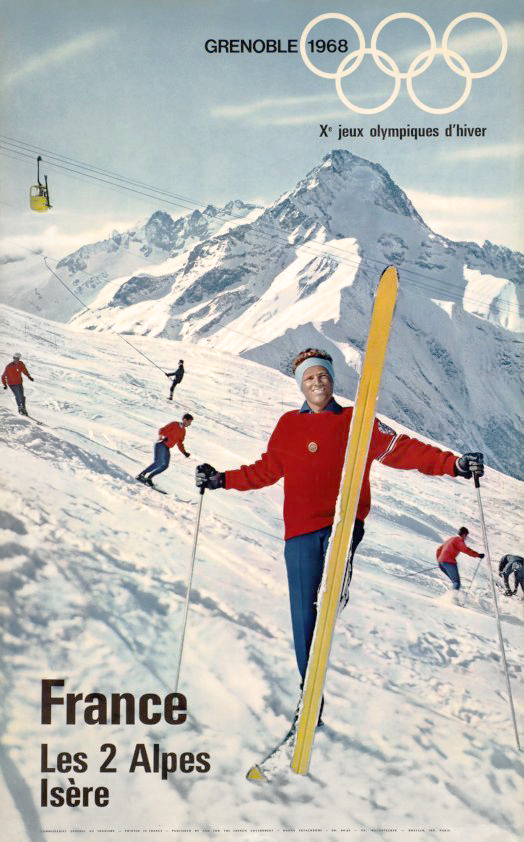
31, 287
238, 208
264, 284
160, 230
343, 176
303, 272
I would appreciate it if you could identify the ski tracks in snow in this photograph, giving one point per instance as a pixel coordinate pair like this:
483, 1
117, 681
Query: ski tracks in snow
94, 570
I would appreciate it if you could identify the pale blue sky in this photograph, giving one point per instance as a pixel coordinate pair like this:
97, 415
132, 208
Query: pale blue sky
126, 85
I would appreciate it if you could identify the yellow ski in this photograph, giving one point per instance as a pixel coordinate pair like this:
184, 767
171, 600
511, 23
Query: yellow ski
348, 497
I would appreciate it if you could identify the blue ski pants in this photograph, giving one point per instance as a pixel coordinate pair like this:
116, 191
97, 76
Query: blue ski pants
304, 555
451, 571
162, 458
18, 391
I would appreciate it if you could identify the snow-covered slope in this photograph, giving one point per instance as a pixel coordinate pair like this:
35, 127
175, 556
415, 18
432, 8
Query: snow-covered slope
261, 284
418, 742
27, 283
303, 273
345, 197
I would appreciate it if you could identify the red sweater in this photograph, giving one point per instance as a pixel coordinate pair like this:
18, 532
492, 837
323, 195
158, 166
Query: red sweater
173, 433
12, 375
448, 551
307, 449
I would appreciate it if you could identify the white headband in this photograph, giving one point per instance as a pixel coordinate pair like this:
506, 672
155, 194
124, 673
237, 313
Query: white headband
310, 361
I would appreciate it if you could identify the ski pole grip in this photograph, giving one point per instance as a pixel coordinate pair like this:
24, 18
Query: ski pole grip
476, 479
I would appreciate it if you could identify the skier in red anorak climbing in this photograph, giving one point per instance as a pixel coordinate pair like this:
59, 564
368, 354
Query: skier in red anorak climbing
447, 555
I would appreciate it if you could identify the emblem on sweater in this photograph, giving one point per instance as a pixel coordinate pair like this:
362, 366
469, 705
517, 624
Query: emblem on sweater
312, 447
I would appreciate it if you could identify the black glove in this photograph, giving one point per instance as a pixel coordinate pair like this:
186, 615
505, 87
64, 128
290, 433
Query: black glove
5, 387
187, 455
481, 555
469, 464
208, 477
167, 375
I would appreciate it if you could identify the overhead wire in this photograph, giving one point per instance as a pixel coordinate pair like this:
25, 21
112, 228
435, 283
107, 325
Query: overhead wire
138, 351
342, 375
311, 247
102, 180
91, 167
317, 250
264, 228
303, 246
90, 310
191, 201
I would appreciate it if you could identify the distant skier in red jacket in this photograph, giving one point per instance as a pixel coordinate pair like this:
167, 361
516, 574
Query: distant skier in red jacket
173, 433
307, 449
12, 377
447, 555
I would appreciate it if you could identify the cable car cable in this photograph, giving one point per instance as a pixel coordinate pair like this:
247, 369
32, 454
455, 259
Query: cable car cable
309, 247
85, 306
198, 204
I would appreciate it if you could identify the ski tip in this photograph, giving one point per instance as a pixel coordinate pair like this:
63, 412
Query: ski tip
256, 774
390, 274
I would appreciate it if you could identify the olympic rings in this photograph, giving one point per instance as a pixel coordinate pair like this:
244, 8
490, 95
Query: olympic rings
460, 101
409, 16
309, 27
420, 63
351, 105
503, 42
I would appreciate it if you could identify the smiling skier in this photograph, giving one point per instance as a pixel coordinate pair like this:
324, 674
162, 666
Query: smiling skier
307, 449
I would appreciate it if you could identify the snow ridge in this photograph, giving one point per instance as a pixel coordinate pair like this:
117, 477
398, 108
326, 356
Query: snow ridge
302, 273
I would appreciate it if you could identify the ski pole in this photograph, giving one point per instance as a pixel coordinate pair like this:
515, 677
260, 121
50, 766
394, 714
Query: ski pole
501, 639
470, 586
188, 589
415, 572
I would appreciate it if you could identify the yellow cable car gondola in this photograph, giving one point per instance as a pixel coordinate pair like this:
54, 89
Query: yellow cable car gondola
39, 193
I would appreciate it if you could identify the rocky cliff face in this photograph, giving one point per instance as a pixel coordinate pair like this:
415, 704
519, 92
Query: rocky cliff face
29, 285
264, 284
